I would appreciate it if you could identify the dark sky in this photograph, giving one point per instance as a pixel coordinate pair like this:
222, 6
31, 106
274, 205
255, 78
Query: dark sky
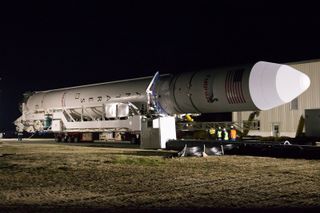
52, 44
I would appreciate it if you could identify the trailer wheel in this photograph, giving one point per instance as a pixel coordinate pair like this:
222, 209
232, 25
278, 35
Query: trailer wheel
65, 139
70, 139
76, 139
133, 140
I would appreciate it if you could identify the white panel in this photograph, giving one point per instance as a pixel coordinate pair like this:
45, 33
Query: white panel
167, 130
111, 110
155, 123
56, 126
123, 110
156, 138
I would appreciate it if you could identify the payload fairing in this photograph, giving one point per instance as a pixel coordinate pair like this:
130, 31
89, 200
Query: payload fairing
116, 105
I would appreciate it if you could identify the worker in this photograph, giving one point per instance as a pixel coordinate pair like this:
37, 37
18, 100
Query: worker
233, 134
225, 134
212, 133
189, 118
219, 133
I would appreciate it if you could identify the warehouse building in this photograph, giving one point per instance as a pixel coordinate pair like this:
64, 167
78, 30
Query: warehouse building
288, 119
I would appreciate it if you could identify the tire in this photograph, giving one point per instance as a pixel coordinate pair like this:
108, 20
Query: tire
76, 139
133, 140
70, 139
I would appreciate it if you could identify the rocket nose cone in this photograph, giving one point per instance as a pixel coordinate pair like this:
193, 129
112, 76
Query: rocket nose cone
304, 82
290, 83
273, 84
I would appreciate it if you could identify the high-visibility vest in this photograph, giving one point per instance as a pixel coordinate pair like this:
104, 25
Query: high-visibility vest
233, 134
226, 135
212, 131
219, 134
188, 117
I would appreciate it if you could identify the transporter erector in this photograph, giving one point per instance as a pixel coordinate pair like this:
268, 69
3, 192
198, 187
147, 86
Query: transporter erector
145, 108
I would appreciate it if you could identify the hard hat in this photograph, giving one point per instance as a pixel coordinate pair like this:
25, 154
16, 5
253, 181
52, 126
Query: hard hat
231, 127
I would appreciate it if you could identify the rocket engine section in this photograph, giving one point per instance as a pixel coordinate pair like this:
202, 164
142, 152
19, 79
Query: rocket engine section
122, 104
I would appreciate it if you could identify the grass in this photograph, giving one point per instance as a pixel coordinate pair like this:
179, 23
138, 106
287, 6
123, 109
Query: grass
60, 176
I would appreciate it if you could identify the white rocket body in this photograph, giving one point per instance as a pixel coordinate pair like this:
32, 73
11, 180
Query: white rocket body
264, 86
260, 87
97, 99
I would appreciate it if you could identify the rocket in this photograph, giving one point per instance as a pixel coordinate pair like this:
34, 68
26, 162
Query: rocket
261, 86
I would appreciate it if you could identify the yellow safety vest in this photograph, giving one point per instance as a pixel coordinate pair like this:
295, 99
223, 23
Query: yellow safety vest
212, 131
219, 134
188, 117
226, 136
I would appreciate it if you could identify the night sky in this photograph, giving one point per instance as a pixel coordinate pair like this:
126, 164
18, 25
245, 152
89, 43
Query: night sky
47, 45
